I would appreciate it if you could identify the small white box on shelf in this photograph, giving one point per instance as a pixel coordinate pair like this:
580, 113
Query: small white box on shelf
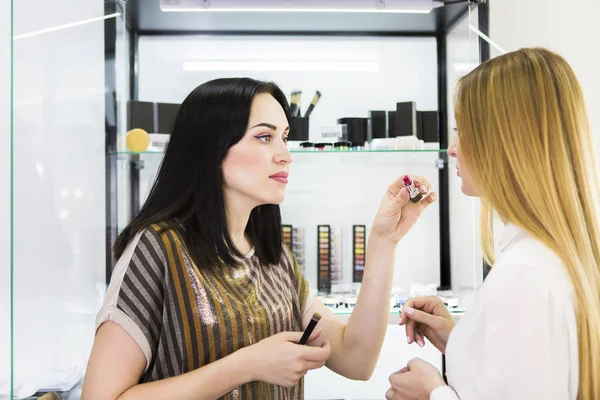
334, 133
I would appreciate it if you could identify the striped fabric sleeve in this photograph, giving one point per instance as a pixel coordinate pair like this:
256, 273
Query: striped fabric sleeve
135, 297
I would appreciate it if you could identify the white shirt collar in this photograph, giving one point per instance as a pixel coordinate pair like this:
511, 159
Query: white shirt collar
509, 234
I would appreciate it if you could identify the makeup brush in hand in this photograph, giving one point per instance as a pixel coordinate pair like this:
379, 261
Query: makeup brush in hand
314, 102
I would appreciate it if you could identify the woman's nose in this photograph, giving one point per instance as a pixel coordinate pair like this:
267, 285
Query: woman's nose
453, 148
284, 156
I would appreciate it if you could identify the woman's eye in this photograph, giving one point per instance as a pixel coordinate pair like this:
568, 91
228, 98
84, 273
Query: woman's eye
265, 138
285, 140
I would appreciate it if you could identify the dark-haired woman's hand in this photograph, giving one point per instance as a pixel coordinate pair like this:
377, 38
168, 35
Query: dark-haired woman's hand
397, 213
279, 360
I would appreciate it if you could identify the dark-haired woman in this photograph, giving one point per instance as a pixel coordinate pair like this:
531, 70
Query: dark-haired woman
205, 301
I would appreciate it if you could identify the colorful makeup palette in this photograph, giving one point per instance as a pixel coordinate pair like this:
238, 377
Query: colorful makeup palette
358, 252
324, 258
293, 238
287, 235
336, 256
298, 247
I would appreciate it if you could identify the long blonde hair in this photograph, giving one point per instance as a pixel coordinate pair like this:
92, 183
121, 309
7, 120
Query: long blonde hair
525, 140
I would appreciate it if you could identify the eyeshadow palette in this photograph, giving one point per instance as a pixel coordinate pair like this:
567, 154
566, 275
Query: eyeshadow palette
298, 247
293, 238
336, 256
324, 258
287, 235
358, 252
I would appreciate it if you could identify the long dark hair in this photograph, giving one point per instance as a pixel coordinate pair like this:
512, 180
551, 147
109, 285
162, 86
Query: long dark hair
188, 191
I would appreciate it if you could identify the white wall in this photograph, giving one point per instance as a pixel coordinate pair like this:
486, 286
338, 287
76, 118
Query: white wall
59, 198
569, 28
5, 65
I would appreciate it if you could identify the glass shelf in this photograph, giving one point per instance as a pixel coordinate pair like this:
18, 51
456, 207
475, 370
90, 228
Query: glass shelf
297, 151
133, 153
394, 311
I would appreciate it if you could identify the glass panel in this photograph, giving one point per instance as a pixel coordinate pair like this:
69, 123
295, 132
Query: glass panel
465, 252
5, 156
61, 86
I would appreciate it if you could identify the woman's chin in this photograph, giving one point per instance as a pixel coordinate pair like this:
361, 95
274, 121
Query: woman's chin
467, 191
274, 200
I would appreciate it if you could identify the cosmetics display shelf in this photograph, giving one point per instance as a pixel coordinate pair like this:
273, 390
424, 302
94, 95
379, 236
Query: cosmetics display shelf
296, 151
393, 311
394, 315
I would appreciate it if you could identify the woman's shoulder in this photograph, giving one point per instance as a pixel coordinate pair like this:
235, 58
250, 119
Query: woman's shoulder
529, 275
148, 249
149, 236
532, 262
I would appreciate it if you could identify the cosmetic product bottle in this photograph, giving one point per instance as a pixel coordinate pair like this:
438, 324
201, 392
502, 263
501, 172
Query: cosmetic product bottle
391, 125
378, 124
358, 131
166, 115
430, 122
307, 146
342, 146
406, 119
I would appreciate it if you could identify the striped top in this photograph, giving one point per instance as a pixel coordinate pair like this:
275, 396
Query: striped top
184, 317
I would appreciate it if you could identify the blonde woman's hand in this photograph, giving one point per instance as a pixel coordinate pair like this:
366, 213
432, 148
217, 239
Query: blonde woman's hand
427, 317
416, 381
397, 214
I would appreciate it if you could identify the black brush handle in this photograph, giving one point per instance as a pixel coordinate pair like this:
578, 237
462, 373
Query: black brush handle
308, 331
310, 108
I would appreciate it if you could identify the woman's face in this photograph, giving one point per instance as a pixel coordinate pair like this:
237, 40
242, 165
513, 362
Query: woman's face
461, 169
255, 170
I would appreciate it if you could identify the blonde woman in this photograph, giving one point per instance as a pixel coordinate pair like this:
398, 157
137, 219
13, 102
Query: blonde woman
533, 331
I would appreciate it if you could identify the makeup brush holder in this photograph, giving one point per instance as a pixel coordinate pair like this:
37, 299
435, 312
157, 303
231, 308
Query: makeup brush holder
299, 129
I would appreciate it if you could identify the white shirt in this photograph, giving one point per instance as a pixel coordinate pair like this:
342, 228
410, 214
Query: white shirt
518, 340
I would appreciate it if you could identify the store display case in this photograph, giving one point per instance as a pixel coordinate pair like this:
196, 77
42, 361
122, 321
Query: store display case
84, 75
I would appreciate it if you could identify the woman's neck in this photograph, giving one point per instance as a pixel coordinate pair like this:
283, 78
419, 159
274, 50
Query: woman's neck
237, 221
